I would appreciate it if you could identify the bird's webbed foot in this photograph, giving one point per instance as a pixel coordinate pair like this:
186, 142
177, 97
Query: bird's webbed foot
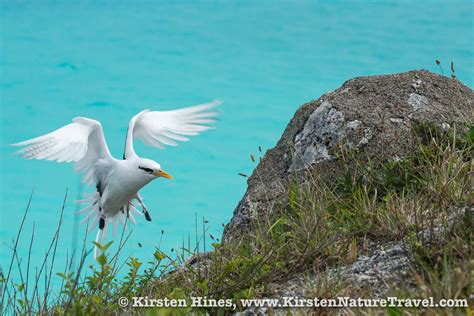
101, 223
145, 212
147, 215
144, 208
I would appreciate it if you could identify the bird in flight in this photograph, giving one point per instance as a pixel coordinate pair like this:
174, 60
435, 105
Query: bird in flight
118, 181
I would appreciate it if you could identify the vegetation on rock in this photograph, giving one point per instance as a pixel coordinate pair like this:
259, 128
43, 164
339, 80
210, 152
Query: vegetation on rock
423, 202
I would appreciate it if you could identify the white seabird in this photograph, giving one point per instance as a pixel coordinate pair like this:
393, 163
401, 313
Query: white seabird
117, 181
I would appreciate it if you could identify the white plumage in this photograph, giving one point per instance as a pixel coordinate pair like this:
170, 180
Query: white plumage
118, 181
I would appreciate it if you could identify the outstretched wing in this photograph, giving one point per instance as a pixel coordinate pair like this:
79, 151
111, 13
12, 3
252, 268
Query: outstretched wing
81, 142
164, 128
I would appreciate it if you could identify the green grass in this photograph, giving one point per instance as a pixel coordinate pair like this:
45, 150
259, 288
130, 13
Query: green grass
320, 224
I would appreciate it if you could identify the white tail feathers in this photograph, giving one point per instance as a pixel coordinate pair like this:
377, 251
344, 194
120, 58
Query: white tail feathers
92, 218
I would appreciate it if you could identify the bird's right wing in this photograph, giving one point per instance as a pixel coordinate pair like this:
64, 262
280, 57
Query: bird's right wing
164, 128
81, 142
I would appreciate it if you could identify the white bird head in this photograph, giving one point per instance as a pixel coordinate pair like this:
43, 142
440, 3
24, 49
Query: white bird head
150, 168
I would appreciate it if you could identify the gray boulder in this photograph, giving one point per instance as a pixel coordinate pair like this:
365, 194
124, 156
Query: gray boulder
374, 114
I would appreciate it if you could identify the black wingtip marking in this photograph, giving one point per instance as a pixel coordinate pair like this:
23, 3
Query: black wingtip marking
147, 216
101, 223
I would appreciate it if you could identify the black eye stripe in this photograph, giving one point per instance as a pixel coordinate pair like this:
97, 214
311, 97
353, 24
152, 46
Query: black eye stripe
146, 169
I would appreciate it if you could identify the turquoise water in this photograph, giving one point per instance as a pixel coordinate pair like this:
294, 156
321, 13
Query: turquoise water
110, 60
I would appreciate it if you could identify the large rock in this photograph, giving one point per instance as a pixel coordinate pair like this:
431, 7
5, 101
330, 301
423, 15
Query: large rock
374, 114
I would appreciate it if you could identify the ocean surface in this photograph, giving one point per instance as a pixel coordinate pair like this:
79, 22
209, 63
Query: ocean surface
108, 60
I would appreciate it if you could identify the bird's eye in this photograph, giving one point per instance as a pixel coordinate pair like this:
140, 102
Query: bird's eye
148, 170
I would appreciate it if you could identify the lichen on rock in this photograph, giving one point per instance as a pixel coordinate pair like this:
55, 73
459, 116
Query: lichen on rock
417, 101
322, 130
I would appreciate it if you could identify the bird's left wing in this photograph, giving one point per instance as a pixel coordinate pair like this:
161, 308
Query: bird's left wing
164, 128
81, 142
